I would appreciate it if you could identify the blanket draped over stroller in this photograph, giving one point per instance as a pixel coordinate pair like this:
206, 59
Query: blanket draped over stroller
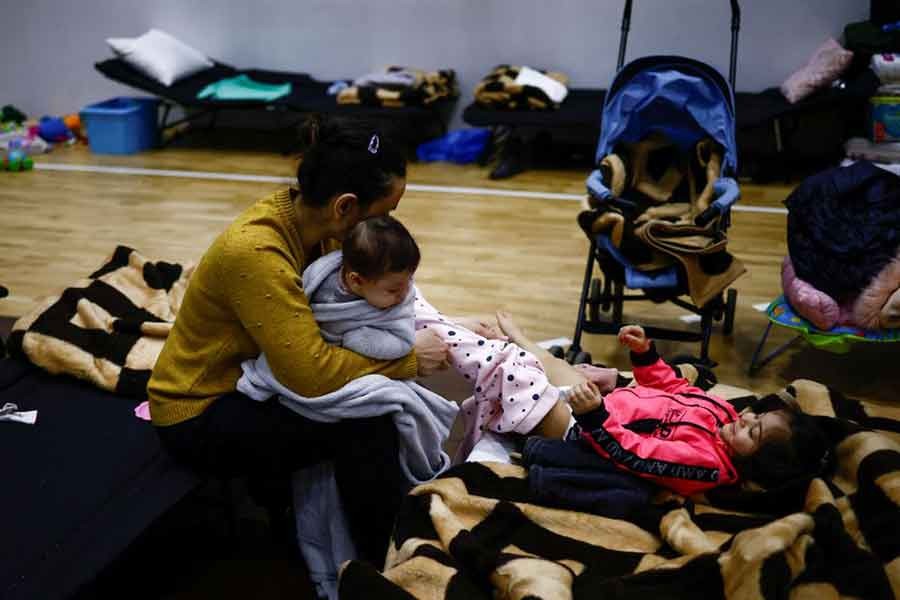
476, 532
663, 159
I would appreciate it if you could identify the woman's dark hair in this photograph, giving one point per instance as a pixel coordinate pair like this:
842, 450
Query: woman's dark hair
380, 245
342, 155
806, 454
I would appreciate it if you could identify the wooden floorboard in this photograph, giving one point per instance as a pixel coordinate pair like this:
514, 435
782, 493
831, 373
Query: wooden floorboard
480, 252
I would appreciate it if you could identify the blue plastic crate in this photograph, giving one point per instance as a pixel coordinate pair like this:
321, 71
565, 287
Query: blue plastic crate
121, 125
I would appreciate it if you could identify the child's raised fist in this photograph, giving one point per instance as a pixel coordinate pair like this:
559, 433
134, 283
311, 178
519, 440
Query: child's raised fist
634, 338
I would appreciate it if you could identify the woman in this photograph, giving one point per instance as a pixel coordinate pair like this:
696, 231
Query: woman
245, 298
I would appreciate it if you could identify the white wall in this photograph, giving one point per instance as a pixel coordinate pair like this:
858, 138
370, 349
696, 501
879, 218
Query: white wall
49, 47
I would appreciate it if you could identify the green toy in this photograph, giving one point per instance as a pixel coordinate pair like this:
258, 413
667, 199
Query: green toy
17, 164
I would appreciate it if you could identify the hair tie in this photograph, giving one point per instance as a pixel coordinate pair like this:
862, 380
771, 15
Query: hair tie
374, 143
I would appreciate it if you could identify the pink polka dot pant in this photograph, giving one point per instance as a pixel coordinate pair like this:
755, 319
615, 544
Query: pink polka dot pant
511, 390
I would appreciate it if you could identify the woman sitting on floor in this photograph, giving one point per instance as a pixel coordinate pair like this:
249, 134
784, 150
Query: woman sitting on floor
245, 299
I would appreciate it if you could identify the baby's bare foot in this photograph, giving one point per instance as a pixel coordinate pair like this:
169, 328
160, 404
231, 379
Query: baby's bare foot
604, 378
509, 327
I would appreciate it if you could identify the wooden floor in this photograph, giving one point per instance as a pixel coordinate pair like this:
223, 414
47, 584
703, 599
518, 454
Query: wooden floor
480, 252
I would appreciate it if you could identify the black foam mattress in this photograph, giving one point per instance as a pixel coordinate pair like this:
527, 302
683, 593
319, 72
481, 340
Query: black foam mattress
580, 109
78, 486
307, 94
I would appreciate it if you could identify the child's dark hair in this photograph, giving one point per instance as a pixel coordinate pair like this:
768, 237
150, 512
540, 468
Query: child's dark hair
380, 245
807, 453
342, 155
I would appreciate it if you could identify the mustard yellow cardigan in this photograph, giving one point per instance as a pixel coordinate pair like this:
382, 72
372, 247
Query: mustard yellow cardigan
245, 298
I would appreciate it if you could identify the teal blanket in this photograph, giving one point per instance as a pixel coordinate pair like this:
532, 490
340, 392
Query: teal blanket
244, 88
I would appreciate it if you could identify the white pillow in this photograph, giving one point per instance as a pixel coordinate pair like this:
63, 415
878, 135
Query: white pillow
160, 56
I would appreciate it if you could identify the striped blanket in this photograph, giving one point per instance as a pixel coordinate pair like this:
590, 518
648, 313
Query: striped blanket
108, 328
498, 90
476, 533
428, 88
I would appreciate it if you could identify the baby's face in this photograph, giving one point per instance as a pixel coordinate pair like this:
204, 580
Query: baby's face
386, 291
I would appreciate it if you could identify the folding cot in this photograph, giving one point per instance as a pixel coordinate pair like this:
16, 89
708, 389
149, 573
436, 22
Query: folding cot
308, 95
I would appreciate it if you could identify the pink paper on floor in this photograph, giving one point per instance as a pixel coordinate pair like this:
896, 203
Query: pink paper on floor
142, 411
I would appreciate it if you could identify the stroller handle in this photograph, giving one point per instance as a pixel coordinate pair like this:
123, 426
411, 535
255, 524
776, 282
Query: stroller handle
735, 31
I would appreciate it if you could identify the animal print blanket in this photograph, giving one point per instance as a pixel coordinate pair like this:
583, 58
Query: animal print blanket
108, 328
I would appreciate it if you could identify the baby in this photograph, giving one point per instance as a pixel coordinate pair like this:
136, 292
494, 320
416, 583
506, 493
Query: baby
667, 431
362, 296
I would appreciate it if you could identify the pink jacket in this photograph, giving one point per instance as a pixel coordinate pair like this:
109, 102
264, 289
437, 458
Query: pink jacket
664, 429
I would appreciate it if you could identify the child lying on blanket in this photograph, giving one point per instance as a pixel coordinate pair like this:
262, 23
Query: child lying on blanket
683, 438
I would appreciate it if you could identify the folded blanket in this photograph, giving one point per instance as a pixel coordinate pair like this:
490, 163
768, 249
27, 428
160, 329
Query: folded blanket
417, 88
242, 87
478, 532
709, 268
392, 76
108, 328
503, 89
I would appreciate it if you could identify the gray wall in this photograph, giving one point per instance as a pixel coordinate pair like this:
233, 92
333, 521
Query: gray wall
49, 47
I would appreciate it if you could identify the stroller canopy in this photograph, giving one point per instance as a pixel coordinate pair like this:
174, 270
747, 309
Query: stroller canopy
684, 99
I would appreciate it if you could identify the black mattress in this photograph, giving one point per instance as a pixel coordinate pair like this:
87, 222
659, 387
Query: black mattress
78, 486
582, 108
307, 94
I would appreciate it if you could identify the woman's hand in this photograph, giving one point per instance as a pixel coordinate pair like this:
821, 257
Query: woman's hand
486, 327
584, 398
634, 338
431, 352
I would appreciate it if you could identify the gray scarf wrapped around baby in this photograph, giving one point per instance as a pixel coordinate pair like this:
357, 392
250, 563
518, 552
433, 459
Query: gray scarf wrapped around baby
423, 418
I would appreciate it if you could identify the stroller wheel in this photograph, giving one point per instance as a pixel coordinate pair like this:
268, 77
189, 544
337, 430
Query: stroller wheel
582, 358
557, 351
730, 307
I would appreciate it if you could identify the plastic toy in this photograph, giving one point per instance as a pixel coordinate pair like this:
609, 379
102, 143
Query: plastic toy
16, 159
24, 164
73, 123
53, 129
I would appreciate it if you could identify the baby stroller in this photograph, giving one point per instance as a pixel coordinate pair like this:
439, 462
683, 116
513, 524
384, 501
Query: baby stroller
658, 204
